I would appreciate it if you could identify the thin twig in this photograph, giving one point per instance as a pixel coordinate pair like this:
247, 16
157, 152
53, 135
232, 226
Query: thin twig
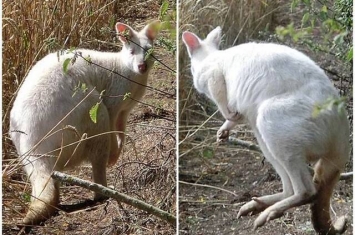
209, 186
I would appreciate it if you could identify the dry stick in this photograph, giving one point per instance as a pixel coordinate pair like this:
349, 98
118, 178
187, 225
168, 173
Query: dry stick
208, 186
116, 195
254, 147
243, 143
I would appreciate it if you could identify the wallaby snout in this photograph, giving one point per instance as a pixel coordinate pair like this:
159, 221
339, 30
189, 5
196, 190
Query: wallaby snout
142, 67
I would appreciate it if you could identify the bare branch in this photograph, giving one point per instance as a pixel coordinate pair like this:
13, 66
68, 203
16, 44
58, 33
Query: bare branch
115, 195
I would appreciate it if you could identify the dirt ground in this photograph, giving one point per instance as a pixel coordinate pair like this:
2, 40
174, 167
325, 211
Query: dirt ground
146, 170
216, 180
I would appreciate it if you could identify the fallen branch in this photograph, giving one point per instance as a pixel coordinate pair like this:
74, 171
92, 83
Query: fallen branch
115, 195
246, 144
254, 147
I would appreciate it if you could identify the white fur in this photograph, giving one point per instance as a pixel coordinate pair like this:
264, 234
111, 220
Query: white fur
48, 94
275, 89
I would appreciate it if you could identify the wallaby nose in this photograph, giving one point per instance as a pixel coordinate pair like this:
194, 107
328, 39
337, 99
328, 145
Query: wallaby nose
142, 67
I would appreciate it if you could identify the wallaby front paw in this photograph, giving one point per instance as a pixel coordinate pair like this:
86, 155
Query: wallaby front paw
222, 135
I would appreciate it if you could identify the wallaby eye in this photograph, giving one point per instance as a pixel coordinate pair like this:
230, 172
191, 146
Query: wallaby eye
131, 51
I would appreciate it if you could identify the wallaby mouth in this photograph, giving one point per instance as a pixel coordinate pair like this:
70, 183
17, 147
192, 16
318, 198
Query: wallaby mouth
142, 68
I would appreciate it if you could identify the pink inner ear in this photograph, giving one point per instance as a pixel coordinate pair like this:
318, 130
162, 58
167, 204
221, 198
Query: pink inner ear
191, 41
150, 34
120, 27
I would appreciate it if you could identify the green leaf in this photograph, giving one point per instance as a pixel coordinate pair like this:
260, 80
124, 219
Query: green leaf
324, 9
88, 59
324, 12
316, 111
165, 25
148, 53
163, 9
305, 18
93, 112
208, 153
349, 55
294, 4
127, 95
66, 64
83, 87
26, 197
307, 2
341, 107
71, 50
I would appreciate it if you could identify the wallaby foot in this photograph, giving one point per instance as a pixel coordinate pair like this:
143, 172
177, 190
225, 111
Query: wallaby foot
259, 204
277, 210
45, 202
39, 212
45, 199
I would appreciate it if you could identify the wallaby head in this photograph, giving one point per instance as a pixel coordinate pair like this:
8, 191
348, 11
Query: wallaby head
136, 45
199, 49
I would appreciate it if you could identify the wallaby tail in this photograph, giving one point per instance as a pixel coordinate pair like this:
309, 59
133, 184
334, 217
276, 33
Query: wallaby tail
326, 175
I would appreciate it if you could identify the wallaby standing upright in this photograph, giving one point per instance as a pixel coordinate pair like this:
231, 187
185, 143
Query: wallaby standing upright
50, 112
276, 89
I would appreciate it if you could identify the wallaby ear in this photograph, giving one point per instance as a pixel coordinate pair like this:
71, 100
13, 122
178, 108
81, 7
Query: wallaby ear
214, 37
191, 41
151, 30
124, 32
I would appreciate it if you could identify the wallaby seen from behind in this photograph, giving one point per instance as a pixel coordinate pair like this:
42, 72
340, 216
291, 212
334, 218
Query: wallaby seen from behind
50, 123
275, 89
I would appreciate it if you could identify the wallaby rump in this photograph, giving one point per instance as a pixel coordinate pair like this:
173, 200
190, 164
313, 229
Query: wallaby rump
276, 89
50, 124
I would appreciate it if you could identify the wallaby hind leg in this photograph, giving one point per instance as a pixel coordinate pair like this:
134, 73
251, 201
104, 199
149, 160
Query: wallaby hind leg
45, 193
280, 136
303, 187
326, 175
261, 203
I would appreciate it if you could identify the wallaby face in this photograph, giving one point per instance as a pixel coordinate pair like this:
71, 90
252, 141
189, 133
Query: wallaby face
50, 124
136, 46
276, 89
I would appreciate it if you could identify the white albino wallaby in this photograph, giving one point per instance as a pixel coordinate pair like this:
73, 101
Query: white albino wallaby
47, 101
276, 89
